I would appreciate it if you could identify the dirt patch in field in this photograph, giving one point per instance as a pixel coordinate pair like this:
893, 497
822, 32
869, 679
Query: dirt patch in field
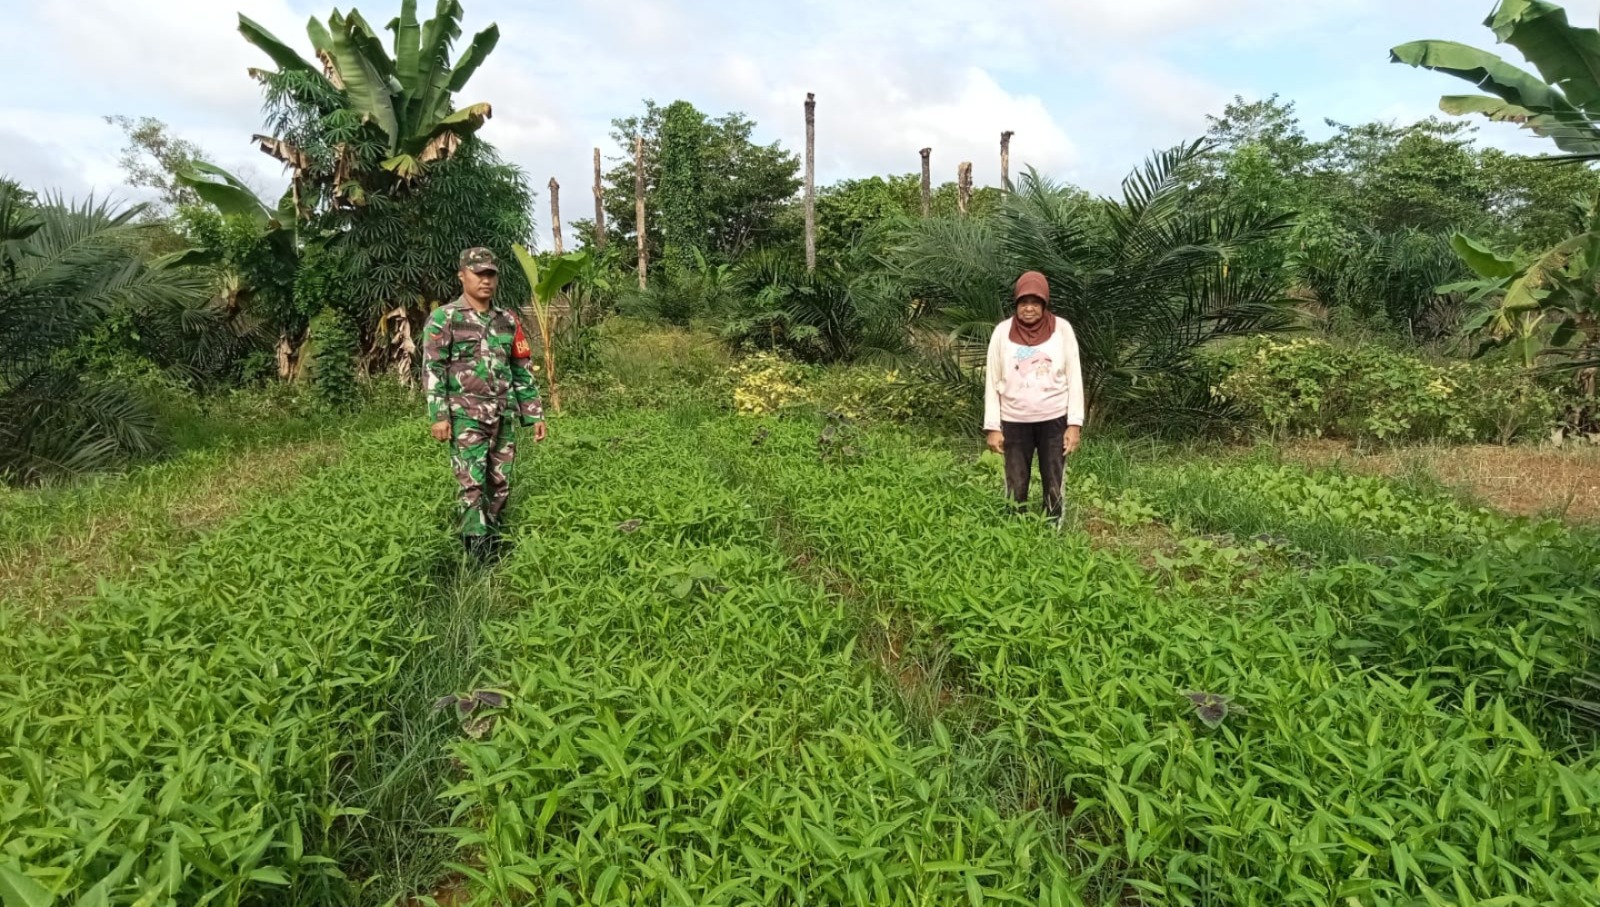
1522, 481
452, 892
133, 529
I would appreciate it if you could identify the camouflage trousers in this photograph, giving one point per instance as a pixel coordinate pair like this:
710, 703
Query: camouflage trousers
481, 454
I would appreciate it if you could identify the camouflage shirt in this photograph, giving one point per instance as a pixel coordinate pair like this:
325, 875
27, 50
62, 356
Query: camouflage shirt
475, 367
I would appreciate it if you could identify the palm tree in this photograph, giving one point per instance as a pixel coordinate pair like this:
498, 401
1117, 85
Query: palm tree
1146, 280
65, 270
845, 310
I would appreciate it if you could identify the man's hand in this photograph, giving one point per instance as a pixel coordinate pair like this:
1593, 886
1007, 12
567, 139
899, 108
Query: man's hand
1070, 444
997, 442
441, 430
540, 432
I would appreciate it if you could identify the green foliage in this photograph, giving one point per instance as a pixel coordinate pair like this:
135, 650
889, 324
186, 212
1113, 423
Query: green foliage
404, 104
387, 172
844, 311
1425, 176
1543, 305
822, 653
857, 213
724, 193
404, 248
1309, 387
680, 186
69, 274
1558, 103
1394, 278
153, 157
333, 351
1084, 665
685, 694
198, 750
765, 384
1536, 204
645, 365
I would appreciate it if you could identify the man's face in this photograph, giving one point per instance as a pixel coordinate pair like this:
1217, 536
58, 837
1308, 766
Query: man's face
1029, 310
479, 286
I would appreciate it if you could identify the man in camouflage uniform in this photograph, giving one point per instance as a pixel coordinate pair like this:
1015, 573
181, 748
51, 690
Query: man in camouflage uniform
479, 378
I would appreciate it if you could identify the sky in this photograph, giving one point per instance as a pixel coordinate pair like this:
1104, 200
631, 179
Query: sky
1089, 86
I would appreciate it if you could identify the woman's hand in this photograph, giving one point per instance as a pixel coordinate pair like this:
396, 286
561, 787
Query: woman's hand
997, 442
1070, 444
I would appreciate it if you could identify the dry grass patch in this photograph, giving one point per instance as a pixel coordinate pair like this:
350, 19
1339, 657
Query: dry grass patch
1522, 481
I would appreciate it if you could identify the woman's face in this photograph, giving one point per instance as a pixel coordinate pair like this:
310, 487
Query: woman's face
1030, 310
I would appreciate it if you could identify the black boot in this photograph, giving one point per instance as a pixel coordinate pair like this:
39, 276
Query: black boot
478, 547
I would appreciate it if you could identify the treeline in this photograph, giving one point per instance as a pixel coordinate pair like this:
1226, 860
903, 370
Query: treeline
1412, 237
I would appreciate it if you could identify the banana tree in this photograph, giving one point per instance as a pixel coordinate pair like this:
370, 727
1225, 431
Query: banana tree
548, 283
233, 198
278, 231
1562, 103
1541, 306
1546, 304
408, 97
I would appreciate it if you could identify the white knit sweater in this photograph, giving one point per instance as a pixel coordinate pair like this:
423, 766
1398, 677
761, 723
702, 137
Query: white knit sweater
1032, 384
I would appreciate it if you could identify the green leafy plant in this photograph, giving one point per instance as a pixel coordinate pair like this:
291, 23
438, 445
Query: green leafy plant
548, 283
1311, 387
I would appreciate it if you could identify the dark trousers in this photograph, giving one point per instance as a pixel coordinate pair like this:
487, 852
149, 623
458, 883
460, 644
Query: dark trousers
1023, 440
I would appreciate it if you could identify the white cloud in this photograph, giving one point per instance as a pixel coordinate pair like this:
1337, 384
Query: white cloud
1171, 104
1089, 88
181, 52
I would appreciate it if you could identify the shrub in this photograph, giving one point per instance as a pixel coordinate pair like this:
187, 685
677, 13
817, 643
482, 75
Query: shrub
767, 383
333, 364
1310, 387
864, 393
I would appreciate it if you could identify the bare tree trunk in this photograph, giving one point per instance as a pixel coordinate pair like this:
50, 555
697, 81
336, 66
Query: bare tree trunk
1005, 160
555, 214
811, 183
599, 207
927, 183
963, 186
638, 206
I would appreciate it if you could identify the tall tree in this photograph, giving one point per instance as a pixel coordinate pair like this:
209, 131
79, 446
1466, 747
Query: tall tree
811, 181
599, 206
927, 181
152, 159
555, 214
386, 169
638, 207
1005, 159
744, 207
364, 120
681, 184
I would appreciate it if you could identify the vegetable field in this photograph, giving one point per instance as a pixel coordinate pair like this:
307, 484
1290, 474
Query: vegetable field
735, 661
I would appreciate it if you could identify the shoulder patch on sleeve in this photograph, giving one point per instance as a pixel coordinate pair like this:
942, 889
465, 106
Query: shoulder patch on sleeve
519, 343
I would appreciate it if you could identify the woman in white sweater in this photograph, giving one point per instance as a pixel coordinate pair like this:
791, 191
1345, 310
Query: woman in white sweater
1033, 393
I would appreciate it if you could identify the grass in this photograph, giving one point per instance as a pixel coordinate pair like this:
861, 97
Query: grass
1520, 480
58, 542
763, 661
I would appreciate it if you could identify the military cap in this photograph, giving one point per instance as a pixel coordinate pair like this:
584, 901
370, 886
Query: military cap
478, 260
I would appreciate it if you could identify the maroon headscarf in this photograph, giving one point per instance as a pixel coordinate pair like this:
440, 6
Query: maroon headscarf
1038, 286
